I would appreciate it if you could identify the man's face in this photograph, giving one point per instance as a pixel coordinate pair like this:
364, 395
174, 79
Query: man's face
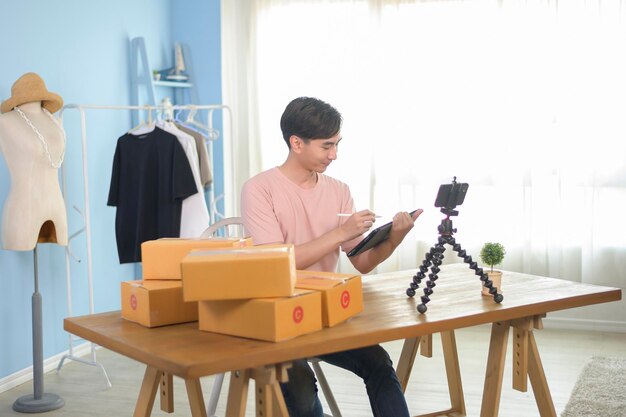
317, 154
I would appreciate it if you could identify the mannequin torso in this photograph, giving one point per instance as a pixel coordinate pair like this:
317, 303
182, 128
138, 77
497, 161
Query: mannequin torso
34, 210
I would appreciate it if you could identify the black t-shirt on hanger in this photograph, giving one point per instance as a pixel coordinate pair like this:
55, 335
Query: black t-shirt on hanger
150, 179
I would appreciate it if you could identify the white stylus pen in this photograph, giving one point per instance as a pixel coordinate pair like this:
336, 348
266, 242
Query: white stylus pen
350, 214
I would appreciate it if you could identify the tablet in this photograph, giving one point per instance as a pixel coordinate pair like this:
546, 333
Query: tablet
375, 237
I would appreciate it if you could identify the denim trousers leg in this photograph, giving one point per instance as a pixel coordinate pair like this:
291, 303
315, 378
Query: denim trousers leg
300, 391
375, 367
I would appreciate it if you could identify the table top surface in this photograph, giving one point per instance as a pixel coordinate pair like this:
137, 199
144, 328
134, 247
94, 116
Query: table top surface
389, 314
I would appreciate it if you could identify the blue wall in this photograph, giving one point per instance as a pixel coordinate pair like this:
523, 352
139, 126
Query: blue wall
81, 50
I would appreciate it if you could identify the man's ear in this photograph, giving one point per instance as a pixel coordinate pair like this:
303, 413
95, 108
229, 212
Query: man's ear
296, 143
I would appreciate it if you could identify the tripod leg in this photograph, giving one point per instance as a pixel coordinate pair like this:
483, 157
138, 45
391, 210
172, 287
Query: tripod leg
421, 274
437, 258
493, 290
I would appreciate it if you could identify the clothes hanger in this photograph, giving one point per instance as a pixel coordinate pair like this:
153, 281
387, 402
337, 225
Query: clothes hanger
144, 127
209, 132
166, 113
177, 113
190, 121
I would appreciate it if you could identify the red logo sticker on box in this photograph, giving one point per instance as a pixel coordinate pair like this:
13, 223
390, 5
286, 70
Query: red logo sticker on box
133, 302
298, 314
345, 299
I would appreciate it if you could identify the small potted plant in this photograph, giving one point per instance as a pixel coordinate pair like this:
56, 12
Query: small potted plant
493, 254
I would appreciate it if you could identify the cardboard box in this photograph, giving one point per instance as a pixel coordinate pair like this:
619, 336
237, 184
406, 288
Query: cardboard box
271, 319
156, 303
230, 274
161, 258
342, 294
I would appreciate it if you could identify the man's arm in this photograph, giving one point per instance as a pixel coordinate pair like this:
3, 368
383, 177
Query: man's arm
309, 253
402, 225
258, 215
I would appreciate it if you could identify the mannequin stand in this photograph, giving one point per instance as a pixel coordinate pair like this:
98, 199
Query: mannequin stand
38, 402
434, 258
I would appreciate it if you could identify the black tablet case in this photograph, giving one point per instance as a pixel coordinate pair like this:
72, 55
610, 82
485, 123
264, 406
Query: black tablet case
374, 238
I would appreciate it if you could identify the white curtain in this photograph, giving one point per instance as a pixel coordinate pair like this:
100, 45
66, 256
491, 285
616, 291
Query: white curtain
242, 156
525, 101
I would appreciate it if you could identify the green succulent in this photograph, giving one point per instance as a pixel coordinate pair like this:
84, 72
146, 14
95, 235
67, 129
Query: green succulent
492, 254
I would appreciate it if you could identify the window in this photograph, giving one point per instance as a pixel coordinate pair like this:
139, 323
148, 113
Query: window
525, 101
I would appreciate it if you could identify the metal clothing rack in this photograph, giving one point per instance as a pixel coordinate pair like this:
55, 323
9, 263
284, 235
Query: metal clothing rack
168, 109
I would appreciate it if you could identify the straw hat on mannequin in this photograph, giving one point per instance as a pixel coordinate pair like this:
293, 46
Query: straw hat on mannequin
32, 142
30, 87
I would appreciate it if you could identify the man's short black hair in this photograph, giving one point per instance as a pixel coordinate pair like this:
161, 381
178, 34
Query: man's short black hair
310, 118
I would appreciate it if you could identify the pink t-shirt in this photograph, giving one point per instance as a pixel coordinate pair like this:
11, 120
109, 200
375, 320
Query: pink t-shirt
275, 210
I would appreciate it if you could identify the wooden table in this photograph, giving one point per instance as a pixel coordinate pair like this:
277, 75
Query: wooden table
188, 353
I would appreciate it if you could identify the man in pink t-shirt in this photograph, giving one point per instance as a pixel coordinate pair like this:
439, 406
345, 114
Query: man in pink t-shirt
296, 203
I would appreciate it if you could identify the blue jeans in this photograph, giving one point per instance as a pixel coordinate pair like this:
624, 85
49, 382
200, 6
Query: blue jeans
371, 363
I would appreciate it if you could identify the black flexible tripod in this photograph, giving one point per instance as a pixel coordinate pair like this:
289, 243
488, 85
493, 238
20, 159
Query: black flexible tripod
434, 258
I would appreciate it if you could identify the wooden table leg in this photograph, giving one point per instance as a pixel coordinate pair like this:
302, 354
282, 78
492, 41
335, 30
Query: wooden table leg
280, 408
269, 397
238, 393
453, 372
270, 400
520, 359
426, 346
196, 400
495, 369
538, 380
167, 392
522, 328
147, 393
263, 396
407, 358
264, 379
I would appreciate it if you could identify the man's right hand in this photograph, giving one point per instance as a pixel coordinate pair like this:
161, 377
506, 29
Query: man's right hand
357, 224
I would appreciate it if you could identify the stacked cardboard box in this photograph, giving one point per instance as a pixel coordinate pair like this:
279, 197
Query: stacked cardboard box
342, 295
161, 258
250, 292
235, 288
235, 274
272, 319
158, 299
156, 303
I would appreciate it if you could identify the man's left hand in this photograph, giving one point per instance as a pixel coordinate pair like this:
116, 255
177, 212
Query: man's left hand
403, 222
